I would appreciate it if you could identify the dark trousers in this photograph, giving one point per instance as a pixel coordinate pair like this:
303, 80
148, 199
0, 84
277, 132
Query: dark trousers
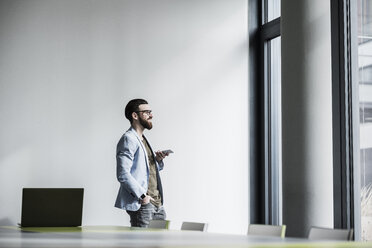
142, 217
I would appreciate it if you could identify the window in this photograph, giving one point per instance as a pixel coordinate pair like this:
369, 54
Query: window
275, 129
364, 8
352, 112
265, 112
272, 11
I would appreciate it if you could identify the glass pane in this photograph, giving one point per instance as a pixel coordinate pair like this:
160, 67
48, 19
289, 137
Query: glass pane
365, 108
273, 9
276, 128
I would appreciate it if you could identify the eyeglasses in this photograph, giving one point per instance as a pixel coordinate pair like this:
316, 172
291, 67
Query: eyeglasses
147, 112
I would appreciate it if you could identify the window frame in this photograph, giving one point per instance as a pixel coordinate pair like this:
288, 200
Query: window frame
262, 175
345, 115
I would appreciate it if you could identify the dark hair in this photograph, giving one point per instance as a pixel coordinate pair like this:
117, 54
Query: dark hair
133, 106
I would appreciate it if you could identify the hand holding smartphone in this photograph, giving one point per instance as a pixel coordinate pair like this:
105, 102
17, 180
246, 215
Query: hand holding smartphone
160, 155
167, 152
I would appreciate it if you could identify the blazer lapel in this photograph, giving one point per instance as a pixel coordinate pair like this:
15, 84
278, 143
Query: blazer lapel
142, 146
152, 152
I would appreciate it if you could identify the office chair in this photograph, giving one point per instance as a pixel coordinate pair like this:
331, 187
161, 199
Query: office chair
159, 224
194, 226
267, 230
320, 233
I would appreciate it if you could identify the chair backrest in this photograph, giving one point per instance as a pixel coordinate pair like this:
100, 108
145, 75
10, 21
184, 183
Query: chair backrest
320, 233
159, 224
194, 226
266, 230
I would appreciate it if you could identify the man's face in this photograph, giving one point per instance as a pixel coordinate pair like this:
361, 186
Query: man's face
145, 116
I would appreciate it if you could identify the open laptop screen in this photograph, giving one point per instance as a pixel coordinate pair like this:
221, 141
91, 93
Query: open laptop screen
52, 207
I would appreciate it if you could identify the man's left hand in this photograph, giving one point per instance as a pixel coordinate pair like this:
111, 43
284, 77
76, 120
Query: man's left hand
160, 155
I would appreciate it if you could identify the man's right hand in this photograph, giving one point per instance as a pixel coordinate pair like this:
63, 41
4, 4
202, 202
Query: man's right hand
146, 200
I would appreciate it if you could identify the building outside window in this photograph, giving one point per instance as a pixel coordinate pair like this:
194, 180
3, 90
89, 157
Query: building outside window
365, 112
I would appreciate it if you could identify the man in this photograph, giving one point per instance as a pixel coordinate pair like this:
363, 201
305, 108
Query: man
138, 167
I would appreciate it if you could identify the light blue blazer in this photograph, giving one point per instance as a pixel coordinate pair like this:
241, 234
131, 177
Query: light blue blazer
132, 170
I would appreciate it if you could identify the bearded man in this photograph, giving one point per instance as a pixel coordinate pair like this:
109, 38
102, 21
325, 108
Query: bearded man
140, 193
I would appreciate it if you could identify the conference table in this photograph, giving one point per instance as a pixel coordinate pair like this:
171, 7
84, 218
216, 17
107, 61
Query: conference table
121, 236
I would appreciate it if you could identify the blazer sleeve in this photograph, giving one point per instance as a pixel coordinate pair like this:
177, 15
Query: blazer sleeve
126, 149
160, 165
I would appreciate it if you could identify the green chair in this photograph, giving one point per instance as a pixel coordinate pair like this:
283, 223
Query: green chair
159, 224
267, 230
194, 226
321, 233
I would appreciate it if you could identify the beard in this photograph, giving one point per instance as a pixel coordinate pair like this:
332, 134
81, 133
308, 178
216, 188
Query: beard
145, 123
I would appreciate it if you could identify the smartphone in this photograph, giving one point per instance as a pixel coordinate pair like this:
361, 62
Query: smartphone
167, 151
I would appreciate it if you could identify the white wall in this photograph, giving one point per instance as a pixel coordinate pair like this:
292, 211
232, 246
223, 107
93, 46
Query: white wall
306, 115
67, 69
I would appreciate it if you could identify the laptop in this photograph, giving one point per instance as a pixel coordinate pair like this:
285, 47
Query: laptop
52, 207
